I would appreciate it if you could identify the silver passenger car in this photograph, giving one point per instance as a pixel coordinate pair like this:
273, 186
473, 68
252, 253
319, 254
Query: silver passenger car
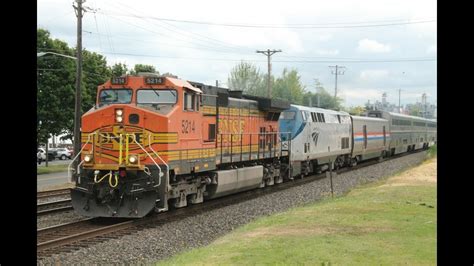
407, 132
371, 138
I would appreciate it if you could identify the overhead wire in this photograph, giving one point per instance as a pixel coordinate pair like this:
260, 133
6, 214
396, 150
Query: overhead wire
199, 36
287, 26
334, 59
195, 40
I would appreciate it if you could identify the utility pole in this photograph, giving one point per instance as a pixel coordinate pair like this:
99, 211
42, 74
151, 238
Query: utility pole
339, 71
77, 116
399, 97
217, 83
269, 53
423, 102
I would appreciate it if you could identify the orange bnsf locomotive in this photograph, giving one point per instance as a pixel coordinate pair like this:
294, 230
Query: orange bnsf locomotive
153, 142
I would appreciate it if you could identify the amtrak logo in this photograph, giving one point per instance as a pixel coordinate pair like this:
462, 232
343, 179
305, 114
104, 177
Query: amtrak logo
315, 136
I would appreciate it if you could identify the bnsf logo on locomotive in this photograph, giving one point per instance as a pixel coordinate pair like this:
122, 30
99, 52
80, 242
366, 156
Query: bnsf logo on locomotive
110, 138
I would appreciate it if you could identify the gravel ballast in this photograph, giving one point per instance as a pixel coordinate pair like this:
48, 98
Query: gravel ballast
153, 244
57, 218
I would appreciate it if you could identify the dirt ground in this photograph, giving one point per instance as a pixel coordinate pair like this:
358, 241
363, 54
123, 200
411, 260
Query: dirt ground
426, 172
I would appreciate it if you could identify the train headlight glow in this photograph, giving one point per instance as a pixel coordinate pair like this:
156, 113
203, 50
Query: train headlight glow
88, 158
133, 159
118, 115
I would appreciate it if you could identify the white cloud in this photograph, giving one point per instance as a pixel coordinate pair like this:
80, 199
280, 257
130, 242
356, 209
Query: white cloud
372, 46
432, 49
360, 94
371, 75
327, 52
181, 48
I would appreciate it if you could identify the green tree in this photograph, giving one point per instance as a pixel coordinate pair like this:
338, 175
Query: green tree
143, 68
326, 100
168, 74
415, 111
355, 110
246, 77
289, 87
118, 69
55, 87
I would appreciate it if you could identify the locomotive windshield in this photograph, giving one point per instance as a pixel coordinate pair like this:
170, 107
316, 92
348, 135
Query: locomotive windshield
288, 115
156, 96
115, 96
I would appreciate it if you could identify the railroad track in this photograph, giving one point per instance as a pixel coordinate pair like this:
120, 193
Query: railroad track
75, 235
53, 193
53, 206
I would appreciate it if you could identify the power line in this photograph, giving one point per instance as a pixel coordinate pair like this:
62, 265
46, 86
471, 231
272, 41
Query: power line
185, 33
218, 42
165, 43
254, 60
62, 69
291, 26
165, 35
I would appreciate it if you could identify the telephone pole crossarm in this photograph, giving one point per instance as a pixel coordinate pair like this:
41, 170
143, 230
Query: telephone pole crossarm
269, 53
339, 70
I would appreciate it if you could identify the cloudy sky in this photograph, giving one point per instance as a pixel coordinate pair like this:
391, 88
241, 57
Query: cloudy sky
383, 45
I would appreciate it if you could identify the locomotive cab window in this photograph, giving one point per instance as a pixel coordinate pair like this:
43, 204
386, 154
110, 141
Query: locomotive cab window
303, 113
114, 96
189, 101
288, 115
155, 97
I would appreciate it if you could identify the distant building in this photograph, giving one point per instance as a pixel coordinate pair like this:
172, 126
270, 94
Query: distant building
422, 109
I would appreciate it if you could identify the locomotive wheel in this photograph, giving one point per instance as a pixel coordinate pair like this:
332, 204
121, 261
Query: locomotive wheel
381, 156
353, 162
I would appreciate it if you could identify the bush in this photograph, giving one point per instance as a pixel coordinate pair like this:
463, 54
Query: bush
432, 151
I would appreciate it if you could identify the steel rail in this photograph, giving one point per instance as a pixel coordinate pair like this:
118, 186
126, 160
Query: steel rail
52, 238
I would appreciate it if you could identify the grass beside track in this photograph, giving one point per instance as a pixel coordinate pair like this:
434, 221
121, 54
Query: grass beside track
389, 222
51, 169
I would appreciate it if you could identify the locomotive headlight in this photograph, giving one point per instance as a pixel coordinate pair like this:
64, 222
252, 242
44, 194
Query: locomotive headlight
88, 158
118, 115
133, 159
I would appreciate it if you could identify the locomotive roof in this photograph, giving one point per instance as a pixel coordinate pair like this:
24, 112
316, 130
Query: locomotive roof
410, 117
397, 115
317, 109
367, 118
184, 83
